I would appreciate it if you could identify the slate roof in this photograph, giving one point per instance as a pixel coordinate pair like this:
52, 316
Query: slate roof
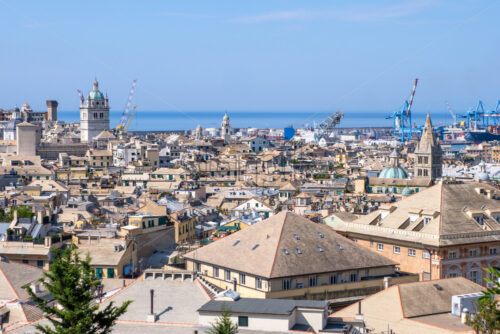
447, 204
436, 301
261, 306
286, 245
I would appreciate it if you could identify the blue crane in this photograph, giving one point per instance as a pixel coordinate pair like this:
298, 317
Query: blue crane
402, 127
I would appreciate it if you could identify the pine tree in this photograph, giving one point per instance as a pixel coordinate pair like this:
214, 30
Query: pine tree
223, 325
71, 282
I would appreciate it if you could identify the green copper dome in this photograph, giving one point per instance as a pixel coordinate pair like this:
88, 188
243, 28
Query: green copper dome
406, 191
96, 94
393, 173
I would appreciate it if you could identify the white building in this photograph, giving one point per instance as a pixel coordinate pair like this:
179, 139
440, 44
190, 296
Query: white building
94, 114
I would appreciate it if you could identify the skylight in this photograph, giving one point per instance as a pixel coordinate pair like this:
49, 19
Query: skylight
286, 251
237, 242
340, 247
321, 235
296, 236
320, 249
254, 247
298, 251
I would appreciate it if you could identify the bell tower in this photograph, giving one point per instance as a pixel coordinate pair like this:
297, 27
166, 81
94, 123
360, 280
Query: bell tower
94, 114
428, 154
226, 129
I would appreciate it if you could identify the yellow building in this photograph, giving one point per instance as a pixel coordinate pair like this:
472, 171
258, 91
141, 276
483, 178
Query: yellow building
99, 158
185, 228
288, 256
148, 223
110, 257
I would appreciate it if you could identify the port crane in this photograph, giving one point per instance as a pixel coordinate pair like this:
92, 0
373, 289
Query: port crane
127, 109
402, 128
125, 129
325, 128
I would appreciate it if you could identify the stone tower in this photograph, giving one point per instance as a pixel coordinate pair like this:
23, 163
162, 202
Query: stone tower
226, 129
94, 114
52, 110
28, 138
428, 154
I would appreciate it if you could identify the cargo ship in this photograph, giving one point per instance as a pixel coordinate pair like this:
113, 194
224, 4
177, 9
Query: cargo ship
477, 136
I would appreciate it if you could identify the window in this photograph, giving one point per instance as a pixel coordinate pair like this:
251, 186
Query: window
198, 267
371, 243
39, 263
286, 284
427, 220
472, 252
334, 279
474, 277
26, 261
216, 272
313, 280
258, 283
242, 321
451, 275
242, 279
380, 247
228, 275
426, 254
98, 273
397, 250
353, 277
493, 251
452, 255
412, 252
111, 273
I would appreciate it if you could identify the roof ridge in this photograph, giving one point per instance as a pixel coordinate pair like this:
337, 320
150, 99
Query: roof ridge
278, 244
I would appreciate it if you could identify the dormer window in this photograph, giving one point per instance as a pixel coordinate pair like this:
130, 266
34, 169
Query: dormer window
479, 219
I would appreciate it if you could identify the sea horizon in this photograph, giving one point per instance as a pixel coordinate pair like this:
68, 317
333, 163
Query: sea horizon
189, 120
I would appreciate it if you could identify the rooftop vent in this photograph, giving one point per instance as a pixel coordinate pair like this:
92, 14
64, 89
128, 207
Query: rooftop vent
438, 287
237, 242
254, 247
296, 236
340, 247
321, 235
286, 251
320, 249
298, 251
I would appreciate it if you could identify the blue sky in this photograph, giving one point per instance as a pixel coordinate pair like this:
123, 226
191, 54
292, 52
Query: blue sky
252, 55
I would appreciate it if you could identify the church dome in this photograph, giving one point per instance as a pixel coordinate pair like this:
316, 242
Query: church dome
406, 191
96, 94
482, 176
393, 173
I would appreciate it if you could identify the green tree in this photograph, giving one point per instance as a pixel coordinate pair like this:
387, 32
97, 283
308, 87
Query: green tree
223, 325
71, 282
486, 319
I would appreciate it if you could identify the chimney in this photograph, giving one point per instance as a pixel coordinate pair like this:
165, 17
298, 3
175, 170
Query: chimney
387, 282
359, 316
463, 315
35, 286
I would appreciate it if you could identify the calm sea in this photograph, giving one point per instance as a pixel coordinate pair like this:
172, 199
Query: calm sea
174, 120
